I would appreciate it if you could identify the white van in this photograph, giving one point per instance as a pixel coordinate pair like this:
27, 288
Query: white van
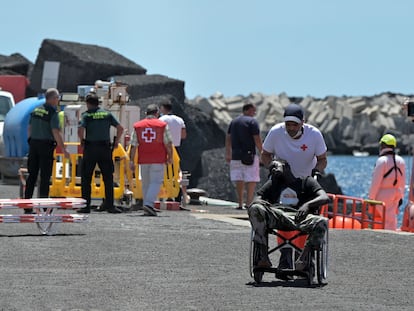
6, 103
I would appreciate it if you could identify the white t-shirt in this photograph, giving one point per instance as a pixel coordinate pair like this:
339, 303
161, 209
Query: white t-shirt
175, 125
299, 153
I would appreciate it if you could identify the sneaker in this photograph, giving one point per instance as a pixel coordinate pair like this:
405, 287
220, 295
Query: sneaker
84, 210
284, 266
150, 211
101, 208
285, 260
301, 264
283, 276
114, 210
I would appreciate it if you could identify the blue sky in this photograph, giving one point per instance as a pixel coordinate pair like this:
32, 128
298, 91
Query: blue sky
236, 47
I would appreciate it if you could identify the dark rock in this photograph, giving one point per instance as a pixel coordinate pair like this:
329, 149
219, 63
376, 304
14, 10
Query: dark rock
148, 86
15, 64
80, 64
216, 175
202, 132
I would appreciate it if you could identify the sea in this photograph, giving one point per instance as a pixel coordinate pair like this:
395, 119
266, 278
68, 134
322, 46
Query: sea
353, 174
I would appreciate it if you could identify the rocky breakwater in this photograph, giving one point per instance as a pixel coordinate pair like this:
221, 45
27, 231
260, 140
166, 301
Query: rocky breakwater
347, 123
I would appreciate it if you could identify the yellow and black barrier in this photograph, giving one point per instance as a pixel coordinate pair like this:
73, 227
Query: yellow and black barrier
66, 180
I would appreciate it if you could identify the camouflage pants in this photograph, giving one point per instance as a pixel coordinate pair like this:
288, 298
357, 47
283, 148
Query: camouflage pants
263, 217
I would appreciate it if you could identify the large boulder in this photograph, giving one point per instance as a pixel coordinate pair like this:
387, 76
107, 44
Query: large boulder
80, 64
150, 86
216, 176
202, 132
15, 64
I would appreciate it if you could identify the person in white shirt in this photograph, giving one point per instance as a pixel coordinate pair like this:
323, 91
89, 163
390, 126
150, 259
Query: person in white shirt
175, 123
178, 132
301, 145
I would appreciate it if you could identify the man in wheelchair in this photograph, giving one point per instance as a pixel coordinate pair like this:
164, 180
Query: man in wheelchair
288, 203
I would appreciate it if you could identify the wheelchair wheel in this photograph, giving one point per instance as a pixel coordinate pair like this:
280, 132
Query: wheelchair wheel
311, 268
257, 275
322, 261
253, 260
251, 254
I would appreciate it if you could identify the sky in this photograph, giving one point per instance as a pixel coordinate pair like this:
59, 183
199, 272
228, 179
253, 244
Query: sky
302, 48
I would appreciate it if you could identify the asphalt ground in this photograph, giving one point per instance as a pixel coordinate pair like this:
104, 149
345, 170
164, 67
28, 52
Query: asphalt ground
189, 260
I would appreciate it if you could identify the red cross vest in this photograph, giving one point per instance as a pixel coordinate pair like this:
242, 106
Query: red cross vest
150, 136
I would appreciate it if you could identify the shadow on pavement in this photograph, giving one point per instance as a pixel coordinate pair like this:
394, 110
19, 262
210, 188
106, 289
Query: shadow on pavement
295, 283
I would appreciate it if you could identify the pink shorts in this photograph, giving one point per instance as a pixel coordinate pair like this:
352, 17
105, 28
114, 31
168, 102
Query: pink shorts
246, 173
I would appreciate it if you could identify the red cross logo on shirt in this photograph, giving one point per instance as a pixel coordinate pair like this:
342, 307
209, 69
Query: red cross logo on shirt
148, 135
304, 147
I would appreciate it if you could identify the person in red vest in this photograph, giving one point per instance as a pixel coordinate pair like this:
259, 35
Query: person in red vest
152, 139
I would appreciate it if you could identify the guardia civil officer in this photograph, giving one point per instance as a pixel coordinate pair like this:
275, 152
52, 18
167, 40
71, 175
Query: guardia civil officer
44, 135
94, 133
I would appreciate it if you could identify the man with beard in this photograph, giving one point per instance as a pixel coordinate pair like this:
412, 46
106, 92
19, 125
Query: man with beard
286, 202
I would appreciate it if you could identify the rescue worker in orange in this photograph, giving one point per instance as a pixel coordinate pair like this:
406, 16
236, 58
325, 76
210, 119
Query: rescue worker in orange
388, 181
152, 140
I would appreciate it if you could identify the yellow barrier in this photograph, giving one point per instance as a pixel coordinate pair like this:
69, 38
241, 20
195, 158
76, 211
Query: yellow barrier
66, 176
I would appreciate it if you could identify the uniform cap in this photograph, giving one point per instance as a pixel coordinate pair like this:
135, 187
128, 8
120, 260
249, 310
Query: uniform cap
293, 112
389, 140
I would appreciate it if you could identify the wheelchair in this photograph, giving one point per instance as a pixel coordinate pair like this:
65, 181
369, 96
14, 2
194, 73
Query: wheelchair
316, 271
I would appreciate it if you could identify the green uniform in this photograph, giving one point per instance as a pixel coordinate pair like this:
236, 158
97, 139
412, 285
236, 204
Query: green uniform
42, 144
97, 123
43, 119
97, 150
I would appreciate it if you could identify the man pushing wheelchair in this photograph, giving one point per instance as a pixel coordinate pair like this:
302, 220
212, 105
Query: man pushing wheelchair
288, 203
